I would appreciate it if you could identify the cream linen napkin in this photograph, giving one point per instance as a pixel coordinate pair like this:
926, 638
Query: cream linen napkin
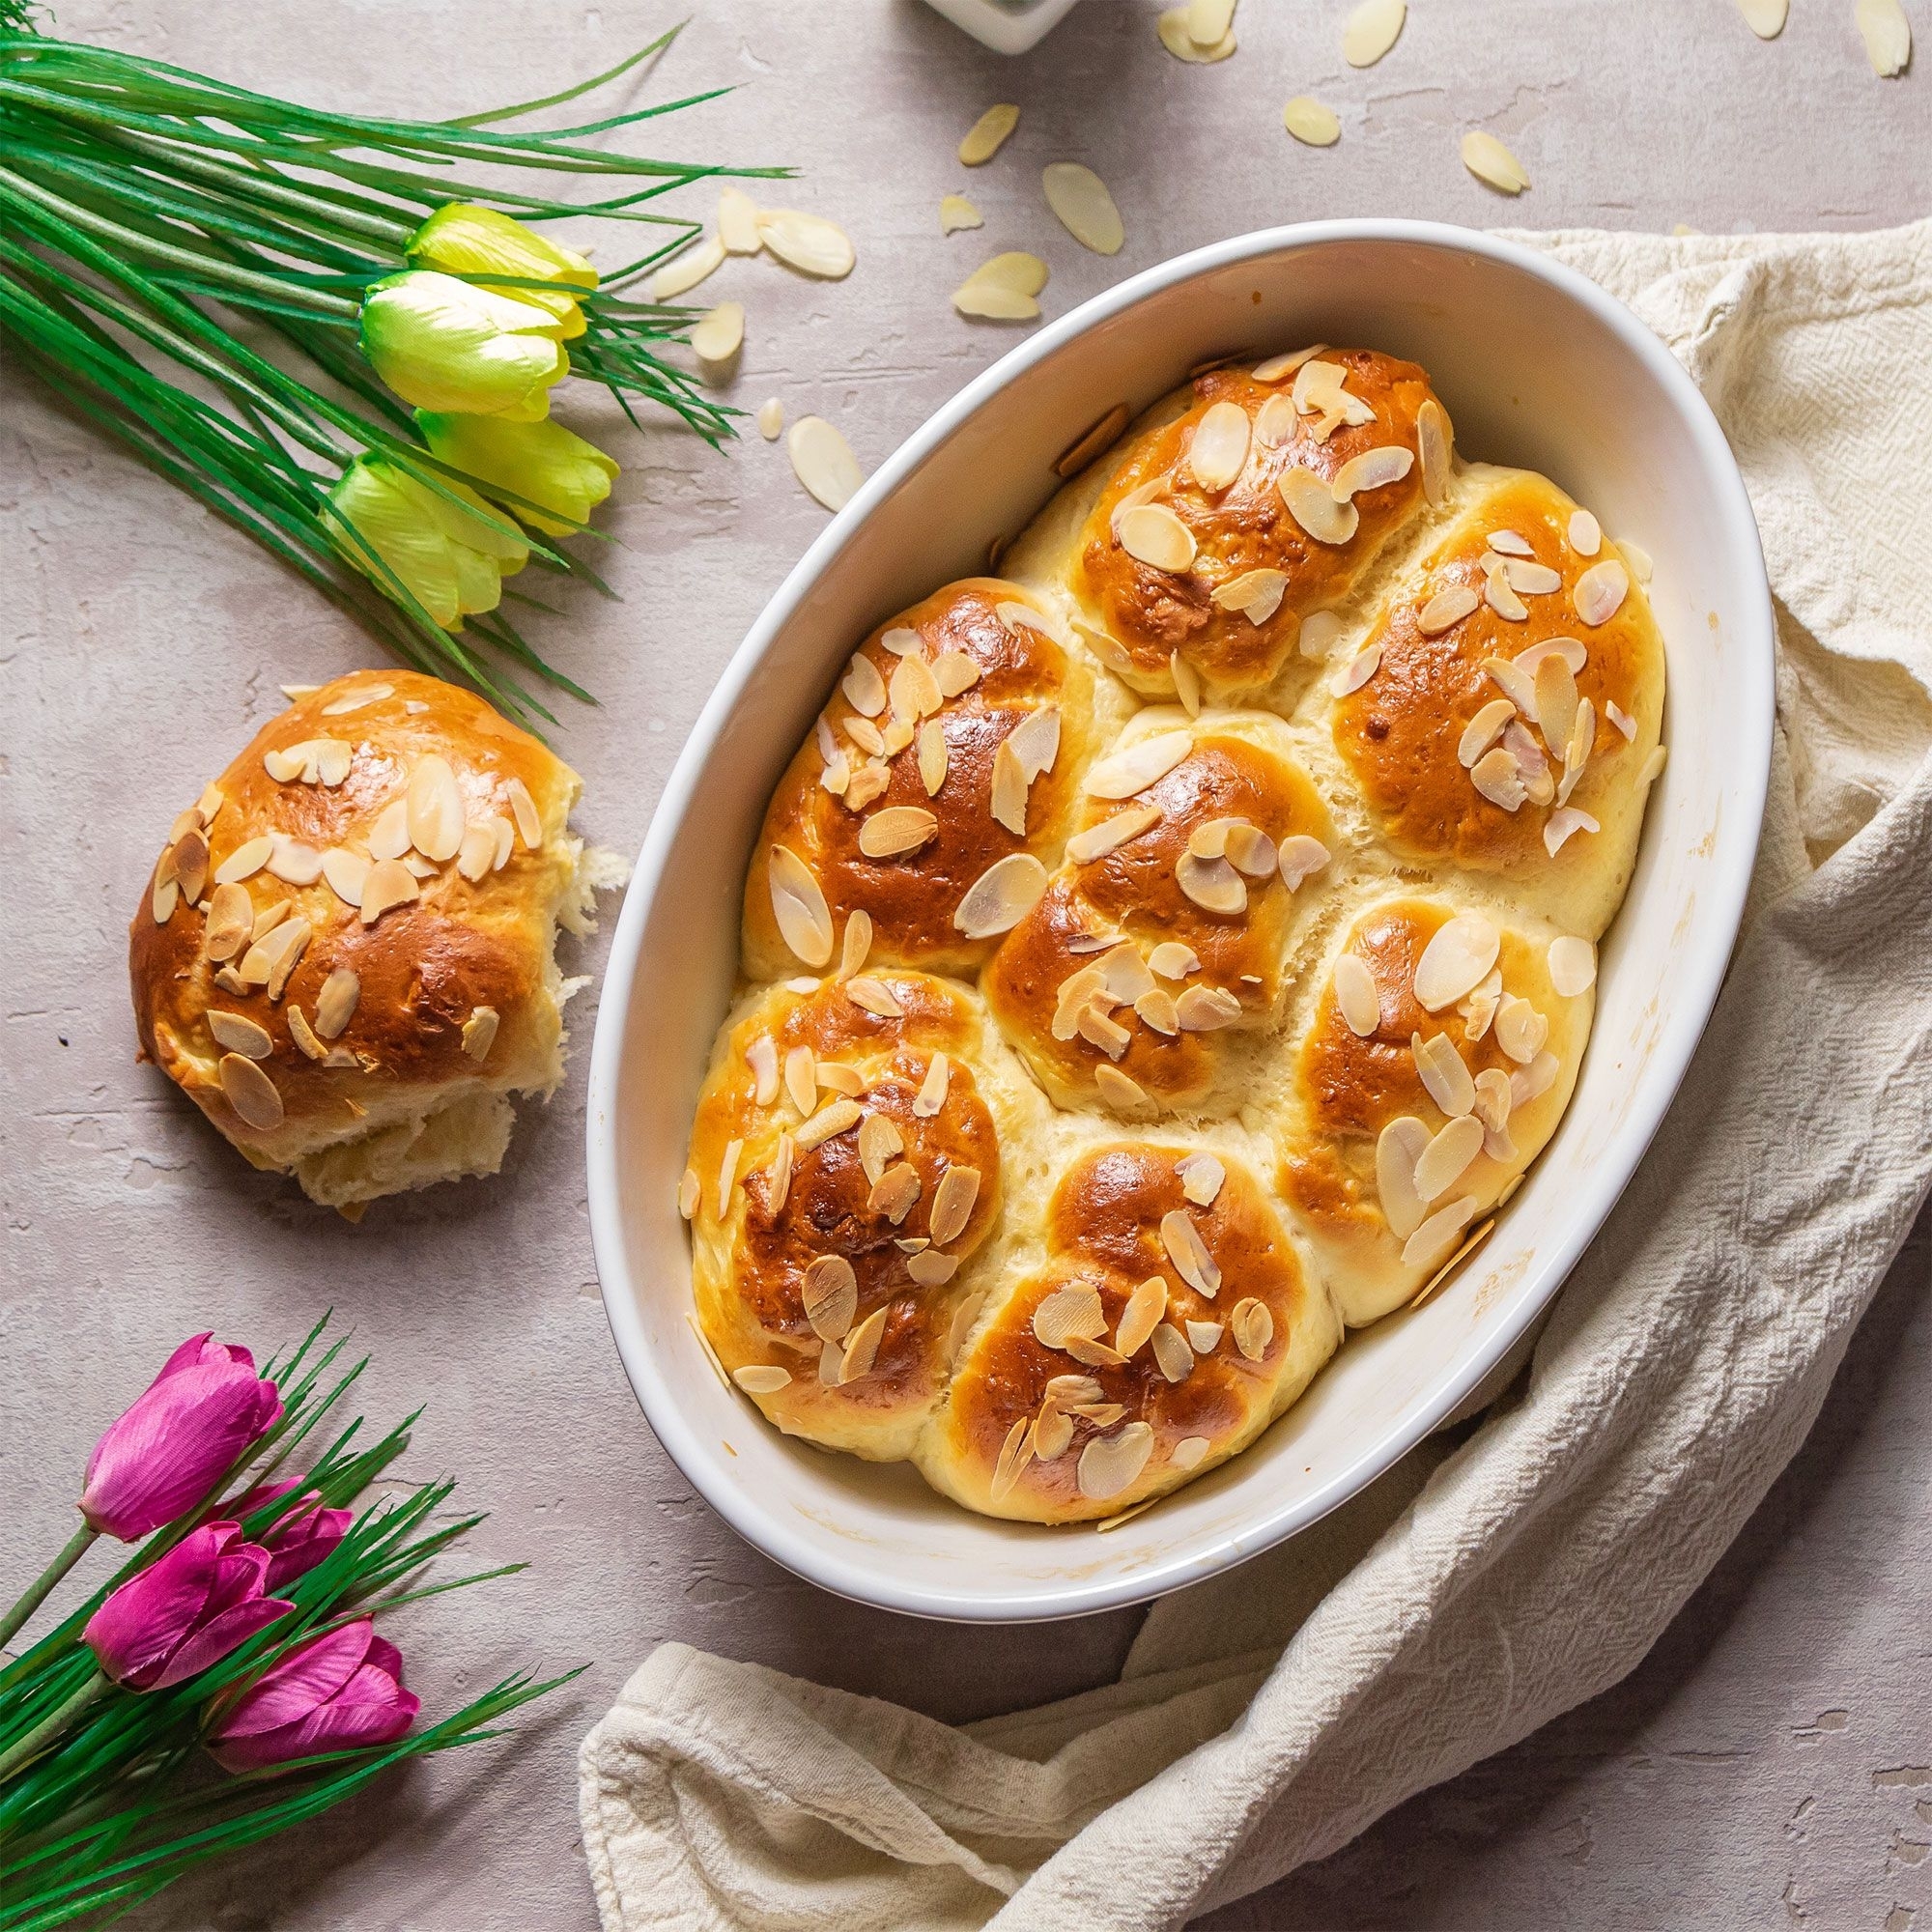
1269, 1715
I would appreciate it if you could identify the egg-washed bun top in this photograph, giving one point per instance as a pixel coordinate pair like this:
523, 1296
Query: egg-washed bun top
344, 955
1169, 953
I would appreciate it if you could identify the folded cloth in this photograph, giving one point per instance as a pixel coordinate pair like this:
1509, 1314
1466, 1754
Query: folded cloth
1478, 1590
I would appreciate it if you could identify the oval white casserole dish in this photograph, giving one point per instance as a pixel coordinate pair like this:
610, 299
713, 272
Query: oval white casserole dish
1538, 368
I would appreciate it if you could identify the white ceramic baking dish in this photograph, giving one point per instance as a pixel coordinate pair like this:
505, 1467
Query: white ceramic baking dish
1538, 367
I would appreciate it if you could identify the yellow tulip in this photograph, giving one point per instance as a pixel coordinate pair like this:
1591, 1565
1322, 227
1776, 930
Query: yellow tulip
447, 345
542, 461
462, 240
452, 556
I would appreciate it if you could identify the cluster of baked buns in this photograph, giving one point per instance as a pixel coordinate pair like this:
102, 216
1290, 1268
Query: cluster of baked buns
1166, 954
346, 951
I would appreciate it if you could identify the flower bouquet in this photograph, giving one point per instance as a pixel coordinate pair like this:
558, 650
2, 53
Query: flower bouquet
228, 1681
383, 425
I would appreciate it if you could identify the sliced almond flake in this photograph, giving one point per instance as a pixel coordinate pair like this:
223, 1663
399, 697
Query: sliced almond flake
874, 997
209, 804
1008, 802
1573, 965
1531, 579
1205, 1337
1218, 451
1252, 1326
956, 212
190, 865
1279, 368
1492, 1099
832, 1120
1489, 160
1145, 1309
303, 1035
1188, 1253
1123, 773
761, 1377
336, 1000
1153, 535
684, 273
1036, 741
1447, 1157
1172, 28
1598, 593
296, 693
1015, 269
1888, 36
390, 834
434, 806
761, 1059
1556, 711
808, 243
1570, 650
479, 1032
1276, 422
282, 951
1446, 610
1001, 897
1358, 671
987, 134
1576, 753
913, 691
1443, 1073
163, 899
932, 1269
1509, 543
835, 1077
1397, 1149
387, 883
1211, 884
1092, 942
1538, 784
727, 1175
1256, 593
866, 692
1479, 1009
1562, 823
1622, 719
737, 221
1207, 1008
1299, 857
1433, 441
1111, 1463
1765, 18
1015, 1453
831, 1361
1460, 955
1501, 598
1124, 974
1356, 995
1084, 848
269, 916
931, 1095
1373, 469
231, 922
716, 336
1312, 506
862, 1347
1484, 729
771, 419
857, 945
1586, 534
1170, 1353
231, 982
244, 862
1173, 960
1052, 1434
475, 857
1532, 1081
895, 1192
1073, 1310
1520, 1029
778, 1176
822, 460
801, 1079
952, 1202
798, 904
1093, 1025
237, 1032
1371, 30
418, 867
1516, 684
1312, 123
1249, 849
1438, 1235
523, 809
1120, 1091
1079, 197
250, 1093
989, 301
1202, 1176
1470, 1244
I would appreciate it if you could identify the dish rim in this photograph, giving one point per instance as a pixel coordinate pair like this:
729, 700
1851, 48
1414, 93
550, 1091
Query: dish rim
1669, 1060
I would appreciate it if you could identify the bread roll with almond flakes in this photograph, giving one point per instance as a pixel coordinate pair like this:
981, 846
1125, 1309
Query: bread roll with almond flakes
344, 956
1260, 970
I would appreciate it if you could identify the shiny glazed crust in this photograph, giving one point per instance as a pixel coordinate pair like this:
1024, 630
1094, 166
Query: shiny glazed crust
1253, 1011
457, 1000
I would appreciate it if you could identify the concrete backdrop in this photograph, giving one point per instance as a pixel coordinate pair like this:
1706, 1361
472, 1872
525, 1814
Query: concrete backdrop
1767, 1766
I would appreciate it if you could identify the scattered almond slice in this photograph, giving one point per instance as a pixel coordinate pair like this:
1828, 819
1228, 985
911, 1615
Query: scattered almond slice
1301, 858
1397, 1149
1458, 958
1623, 721
684, 273
956, 212
479, 1032
1123, 773
387, 883
1185, 1249
1152, 535
1765, 18
1562, 823
1886, 34
798, 904
717, 337
1001, 897
1600, 591
808, 243
1311, 123
1356, 996
1435, 441
1373, 469
822, 460
1014, 269
989, 301
250, 1093
1218, 450
1490, 161
1312, 504
989, 134
1321, 631
1084, 848
771, 419
1371, 30
1445, 610
1111, 1463
898, 830
1438, 1236
1586, 534
1079, 197
1358, 671
1443, 1072
1573, 965
1176, 37
737, 221
1483, 730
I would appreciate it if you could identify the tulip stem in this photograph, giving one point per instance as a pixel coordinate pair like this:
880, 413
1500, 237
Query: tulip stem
37, 1591
50, 1726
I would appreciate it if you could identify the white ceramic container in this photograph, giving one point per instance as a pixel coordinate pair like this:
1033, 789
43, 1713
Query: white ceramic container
1538, 367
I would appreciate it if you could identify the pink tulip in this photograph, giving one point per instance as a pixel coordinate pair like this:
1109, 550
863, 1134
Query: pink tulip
300, 1537
342, 1690
178, 1439
186, 1610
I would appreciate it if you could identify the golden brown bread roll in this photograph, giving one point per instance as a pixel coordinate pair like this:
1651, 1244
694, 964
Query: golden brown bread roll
1155, 954
1169, 1325
344, 956
1325, 926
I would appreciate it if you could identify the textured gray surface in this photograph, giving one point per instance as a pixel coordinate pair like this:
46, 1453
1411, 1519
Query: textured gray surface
143, 642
